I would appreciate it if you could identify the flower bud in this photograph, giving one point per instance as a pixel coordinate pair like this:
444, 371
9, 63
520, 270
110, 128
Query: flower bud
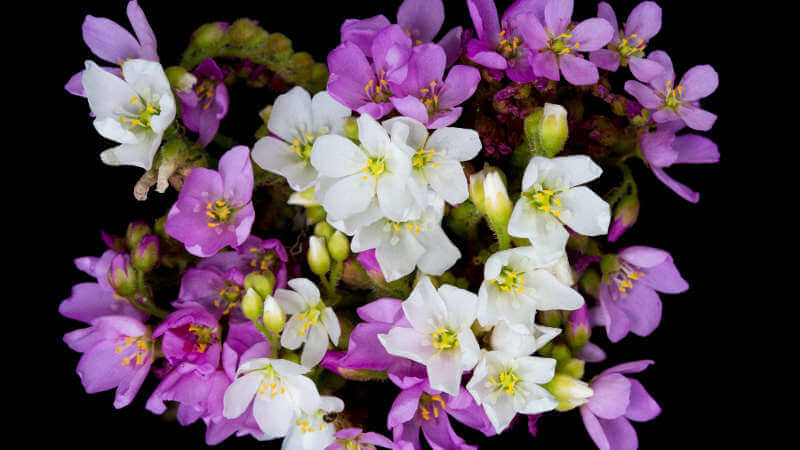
371, 266
550, 318
209, 35
578, 330
573, 367
353, 276
273, 317
245, 31
339, 246
351, 129
324, 229
145, 257
315, 214
113, 242
625, 214
476, 194
568, 391
123, 276
590, 282
561, 352
547, 129
609, 264
262, 282
252, 304
180, 78
498, 205
318, 257
136, 231
305, 198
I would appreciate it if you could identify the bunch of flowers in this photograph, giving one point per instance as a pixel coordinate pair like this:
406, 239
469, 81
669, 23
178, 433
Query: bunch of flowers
476, 292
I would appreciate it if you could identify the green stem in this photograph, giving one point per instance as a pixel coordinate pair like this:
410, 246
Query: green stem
274, 343
503, 238
335, 276
148, 305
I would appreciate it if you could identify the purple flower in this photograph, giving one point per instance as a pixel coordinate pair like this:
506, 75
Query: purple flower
420, 407
213, 208
370, 264
367, 86
266, 254
113, 43
421, 20
356, 439
616, 401
627, 47
662, 149
365, 350
629, 301
670, 103
556, 45
190, 334
425, 97
217, 291
198, 391
206, 103
89, 301
117, 353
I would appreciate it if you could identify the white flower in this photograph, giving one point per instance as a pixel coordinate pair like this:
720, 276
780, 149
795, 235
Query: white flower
278, 390
311, 322
436, 160
520, 281
134, 110
351, 176
440, 337
298, 120
402, 246
507, 384
312, 431
552, 197
520, 340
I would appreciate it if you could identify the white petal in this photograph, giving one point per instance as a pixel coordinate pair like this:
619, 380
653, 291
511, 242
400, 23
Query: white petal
575, 169
399, 259
111, 128
331, 323
372, 136
273, 415
535, 369
444, 372
440, 253
424, 308
538, 401
531, 175
168, 110
105, 91
239, 394
353, 223
457, 144
544, 335
349, 196
146, 78
448, 180
330, 403
315, 347
370, 236
291, 302
139, 155
585, 212
287, 368
470, 350
336, 156
515, 339
461, 305
278, 157
539, 257
418, 188
307, 289
500, 413
291, 114
417, 133
549, 293
393, 198
407, 343
291, 337
328, 114
252, 364
304, 393
543, 230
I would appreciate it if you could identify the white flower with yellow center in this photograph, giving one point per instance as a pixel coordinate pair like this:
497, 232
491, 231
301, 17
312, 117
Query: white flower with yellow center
134, 110
352, 176
521, 340
298, 120
506, 384
552, 196
519, 282
314, 431
311, 323
402, 246
278, 390
440, 337
436, 159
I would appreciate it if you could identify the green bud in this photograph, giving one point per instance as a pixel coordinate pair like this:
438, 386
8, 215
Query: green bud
315, 214
568, 391
324, 229
339, 246
252, 304
531, 126
245, 31
273, 317
476, 194
609, 264
561, 352
278, 44
208, 35
122, 276
136, 231
498, 205
318, 257
547, 129
145, 257
551, 318
351, 129
159, 227
590, 282
304, 199
262, 282
573, 367
546, 350
180, 78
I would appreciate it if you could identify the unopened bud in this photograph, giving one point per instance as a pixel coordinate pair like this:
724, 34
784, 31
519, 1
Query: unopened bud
180, 78
273, 317
145, 257
353, 276
262, 282
305, 198
573, 367
498, 205
315, 214
561, 352
550, 318
578, 330
351, 129
590, 282
609, 264
547, 130
324, 229
209, 35
251, 304
339, 246
568, 391
476, 195
123, 276
625, 215
318, 257
245, 31
136, 231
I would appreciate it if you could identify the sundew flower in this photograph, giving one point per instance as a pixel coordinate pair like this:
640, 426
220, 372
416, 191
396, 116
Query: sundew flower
366, 86
113, 43
616, 401
440, 337
627, 47
117, 353
205, 103
421, 20
519, 282
436, 160
365, 350
213, 208
426, 95
628, 300
351, 175
298, 120
278, 391
190, 334
313, 431
357, 439
402, 246
266, 255
661, 149
670, 102
521, 339
219, 292
311, 323
506, 384
552, 196
134, 110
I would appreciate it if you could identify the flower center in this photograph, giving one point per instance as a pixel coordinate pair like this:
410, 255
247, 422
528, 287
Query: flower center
219, 212
414, 36
231, 294
399, 227
351, 445
310, 423
310, 318
141, 347
445, 339
506, 381
205, 91
262, 259
271, 384
672, 96
378, 90
509, 280
545, 200
375, 167
429, 405
422, 158
627, 274
626, 49
559, 45
203, 335
429, 97
142, 112
508, 45
303, 145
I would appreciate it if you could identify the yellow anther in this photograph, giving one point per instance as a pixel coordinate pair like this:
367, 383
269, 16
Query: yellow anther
566, 35
133, 100
150, 108
211, 225
135, 122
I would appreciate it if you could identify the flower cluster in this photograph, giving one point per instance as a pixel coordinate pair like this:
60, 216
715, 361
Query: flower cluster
475, 292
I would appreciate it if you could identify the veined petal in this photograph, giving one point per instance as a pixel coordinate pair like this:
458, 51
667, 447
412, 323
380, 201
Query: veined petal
336, 156
349, 196
408, 343
291, 115
240, 393
585, 212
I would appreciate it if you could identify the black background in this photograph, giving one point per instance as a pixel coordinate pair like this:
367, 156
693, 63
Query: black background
78, 196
